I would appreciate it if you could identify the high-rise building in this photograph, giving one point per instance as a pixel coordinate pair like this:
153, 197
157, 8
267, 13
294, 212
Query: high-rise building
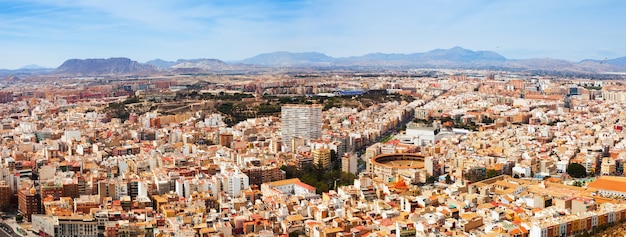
5, 195
28, 202
321, 157
304, 121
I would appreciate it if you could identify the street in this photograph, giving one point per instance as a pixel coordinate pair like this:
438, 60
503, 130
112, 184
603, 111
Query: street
7, 231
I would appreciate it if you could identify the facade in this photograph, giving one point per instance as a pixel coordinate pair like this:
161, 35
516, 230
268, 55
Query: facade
263, 174
6, 96
287, 187
65, 226
608, 166
349, 163
321, 157
304, 121
53, 189
389, 166
5, 195
233, 183
422, 136
226, 139
28, 203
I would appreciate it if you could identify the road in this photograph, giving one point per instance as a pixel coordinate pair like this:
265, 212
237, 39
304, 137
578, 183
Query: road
7, 231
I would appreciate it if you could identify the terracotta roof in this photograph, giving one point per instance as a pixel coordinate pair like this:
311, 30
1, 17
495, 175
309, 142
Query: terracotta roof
306, 186
400, 184
609, 183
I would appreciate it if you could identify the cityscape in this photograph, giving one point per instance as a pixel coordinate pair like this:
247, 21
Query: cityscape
437, 152
302, 118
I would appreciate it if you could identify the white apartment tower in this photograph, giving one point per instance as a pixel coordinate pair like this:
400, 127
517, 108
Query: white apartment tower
303, 121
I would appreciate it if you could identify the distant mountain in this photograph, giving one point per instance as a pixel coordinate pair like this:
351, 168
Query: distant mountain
99, 66
202, 64
283, 58
161, 63
198, 65
439, 57
456, 57
621, 62
540, 63
459, 55
24, 71
32, 67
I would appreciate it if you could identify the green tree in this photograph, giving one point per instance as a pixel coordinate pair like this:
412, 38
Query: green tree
321, 187
347, 178
576, 170
296, 233
432, 179
491, 173
487, 120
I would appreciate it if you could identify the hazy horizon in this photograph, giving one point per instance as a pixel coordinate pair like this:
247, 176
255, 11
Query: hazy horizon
46, 33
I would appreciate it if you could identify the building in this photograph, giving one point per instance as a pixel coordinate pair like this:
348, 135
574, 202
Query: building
5, 195
28, 202
349, 163
74, 225
53, 189
234, 182
610, 186
263, 174
6, 97
226, 139
608, 166
321, 158
421, 135
304, 121
389, 166
287, 187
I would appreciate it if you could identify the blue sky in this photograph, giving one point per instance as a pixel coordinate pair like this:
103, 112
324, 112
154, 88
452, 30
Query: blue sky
47, 32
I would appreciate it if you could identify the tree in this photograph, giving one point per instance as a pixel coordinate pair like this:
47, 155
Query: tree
296, 233
491, 173
432, 179
487, 120
321, 187
576, 170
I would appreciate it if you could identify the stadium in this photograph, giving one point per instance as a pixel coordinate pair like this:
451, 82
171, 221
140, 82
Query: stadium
408, 165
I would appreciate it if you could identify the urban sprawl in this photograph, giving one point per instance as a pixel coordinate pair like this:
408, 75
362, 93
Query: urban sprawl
418, 153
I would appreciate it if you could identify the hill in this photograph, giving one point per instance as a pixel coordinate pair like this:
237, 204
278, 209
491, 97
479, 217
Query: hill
98, 66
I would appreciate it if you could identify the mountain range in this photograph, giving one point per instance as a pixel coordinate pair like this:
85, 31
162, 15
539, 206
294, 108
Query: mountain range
456, 57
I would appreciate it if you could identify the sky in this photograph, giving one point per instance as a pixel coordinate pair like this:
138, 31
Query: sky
47, 32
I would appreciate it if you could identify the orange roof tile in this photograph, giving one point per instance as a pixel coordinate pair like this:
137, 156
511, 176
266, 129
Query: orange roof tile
609, 183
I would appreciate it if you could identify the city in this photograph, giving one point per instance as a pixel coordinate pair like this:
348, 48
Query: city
461, 153
300, 118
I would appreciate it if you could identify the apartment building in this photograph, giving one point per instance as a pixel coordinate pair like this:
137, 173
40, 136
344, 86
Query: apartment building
303, 121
